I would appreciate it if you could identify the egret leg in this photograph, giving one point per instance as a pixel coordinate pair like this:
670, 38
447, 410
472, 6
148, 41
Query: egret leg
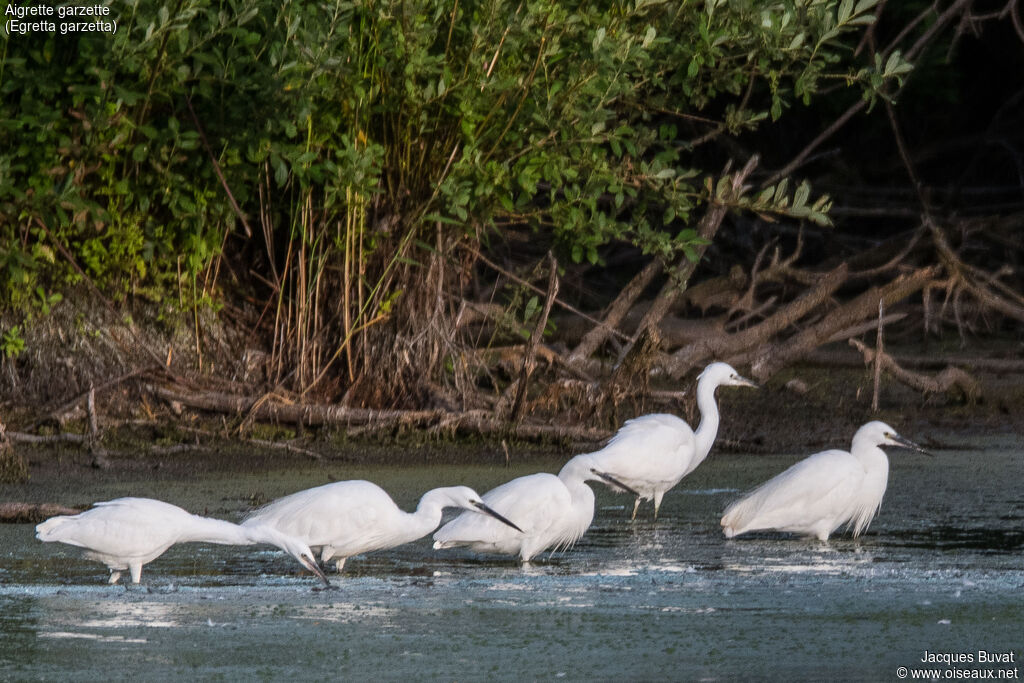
657, 502
114, 576
136, 570
636, 506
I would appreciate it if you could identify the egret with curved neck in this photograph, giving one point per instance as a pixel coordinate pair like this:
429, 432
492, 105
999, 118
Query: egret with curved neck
652, 453
552, 512
822, 492
349, 518
127, 533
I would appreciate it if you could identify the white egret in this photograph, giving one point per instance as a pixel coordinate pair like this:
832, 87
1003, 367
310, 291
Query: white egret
126, 533
349, 518
550, 511
819, 494
652, 453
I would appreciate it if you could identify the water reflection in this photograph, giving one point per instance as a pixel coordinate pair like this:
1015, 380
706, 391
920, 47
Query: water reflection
952, 539
91, 636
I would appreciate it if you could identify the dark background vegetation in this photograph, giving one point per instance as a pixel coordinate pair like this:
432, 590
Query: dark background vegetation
361, 204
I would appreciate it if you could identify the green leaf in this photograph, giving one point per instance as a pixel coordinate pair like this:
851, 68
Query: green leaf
649, 36
803, 191
845, 8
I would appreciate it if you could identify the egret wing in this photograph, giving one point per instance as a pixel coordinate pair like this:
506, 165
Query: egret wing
809, 490
532, 503
332, 514
656, 448
123, 527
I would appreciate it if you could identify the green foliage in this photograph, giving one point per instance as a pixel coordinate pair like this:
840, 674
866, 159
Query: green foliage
349, 133
12, 343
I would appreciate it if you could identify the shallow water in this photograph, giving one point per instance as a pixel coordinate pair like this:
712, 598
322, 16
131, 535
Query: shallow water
940, 570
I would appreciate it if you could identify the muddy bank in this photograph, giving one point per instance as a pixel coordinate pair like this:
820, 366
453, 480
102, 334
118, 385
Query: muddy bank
804, 409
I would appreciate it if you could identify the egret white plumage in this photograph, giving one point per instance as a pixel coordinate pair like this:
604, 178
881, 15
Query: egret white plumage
819, 494
127, 533
552, 512
652, 453
349, 518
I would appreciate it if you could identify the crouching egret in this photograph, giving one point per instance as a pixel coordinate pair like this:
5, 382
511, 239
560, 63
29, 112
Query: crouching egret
652, 453
126, 533
349, 518
550, 511
819, 494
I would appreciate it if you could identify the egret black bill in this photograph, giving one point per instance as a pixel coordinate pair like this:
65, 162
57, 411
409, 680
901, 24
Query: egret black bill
907, 443
488, 511
312, 566
614, 482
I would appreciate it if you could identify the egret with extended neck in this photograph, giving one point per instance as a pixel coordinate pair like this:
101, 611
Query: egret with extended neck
127, 533
349, 518
552, 512
652, 453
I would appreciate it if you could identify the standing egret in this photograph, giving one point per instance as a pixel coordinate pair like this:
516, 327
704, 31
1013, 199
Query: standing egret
652, 453
126, 533
551, 512
819, 494
349, 518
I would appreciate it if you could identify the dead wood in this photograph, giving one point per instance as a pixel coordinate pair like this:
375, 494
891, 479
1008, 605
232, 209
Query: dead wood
840, 358
33, 513
774, 357
622, 304
845, 334
13, 465
967, 276
479, 422
473, 313
508, 355
518, 280
24, 437
725, 292
679, 274
949, 380
756, 336
674, 331
530, 357
877, 365
67, 410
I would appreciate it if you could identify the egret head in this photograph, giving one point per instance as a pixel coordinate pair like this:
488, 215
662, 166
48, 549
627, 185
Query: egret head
264, 533
724, 375
878, 433
465, 497
581, 468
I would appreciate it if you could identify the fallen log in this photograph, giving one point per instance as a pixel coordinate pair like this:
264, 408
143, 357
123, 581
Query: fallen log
950, 379
732, 345
673, 330
33, 513
479, 422
776, 356
23, 437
